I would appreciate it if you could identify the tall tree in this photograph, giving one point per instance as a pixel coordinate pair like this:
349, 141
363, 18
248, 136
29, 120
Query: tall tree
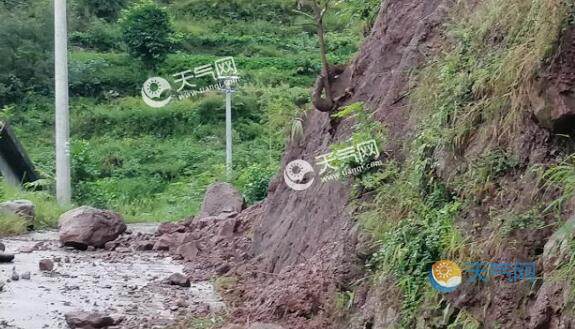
148, 32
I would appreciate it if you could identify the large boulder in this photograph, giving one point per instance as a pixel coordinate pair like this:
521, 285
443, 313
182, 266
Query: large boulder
21, 208
221, 198
87, 226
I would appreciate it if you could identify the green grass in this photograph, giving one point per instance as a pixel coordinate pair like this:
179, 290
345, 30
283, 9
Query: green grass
47, 210
12, 225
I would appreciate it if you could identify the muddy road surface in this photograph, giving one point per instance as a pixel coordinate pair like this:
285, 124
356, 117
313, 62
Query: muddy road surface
126, 284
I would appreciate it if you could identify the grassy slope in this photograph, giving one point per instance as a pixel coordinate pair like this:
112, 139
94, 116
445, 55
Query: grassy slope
473, 93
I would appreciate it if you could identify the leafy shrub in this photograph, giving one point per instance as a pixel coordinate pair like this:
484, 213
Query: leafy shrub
99, 36
254, 180
148, 32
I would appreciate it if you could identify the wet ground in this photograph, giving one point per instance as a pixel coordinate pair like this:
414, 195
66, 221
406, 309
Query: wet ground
124, 283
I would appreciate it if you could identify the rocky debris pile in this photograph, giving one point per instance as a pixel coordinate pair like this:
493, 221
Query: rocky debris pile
211, 245
85, 227
298, 296
22, 208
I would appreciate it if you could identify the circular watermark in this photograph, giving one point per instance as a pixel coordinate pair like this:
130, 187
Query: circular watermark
297, 175
445, 276
156, 92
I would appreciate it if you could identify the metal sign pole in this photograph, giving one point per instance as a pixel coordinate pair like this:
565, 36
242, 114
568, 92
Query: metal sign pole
229, 135
228, 90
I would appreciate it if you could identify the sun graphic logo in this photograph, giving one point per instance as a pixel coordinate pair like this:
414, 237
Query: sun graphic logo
155, 92
445, 276
297, 175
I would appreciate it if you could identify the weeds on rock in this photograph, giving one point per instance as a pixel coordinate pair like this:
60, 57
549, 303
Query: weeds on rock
472, 93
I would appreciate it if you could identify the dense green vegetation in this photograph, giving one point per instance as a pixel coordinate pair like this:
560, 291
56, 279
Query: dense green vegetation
154, 164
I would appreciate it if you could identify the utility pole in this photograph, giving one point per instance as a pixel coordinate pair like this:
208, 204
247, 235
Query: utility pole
228, 89
63, 185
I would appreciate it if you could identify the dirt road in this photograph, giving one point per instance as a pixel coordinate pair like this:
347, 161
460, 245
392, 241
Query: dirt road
123, 283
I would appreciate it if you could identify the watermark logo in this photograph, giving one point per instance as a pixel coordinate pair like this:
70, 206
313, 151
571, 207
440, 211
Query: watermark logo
330, 164
155, 92
222, 72
298, 175
445, 276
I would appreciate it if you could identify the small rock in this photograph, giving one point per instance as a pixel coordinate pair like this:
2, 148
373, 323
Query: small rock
223, 269
110, 245
6, 258
145, 246
15, 276
46, 265
30, 248
26, 276
178, 279
123, 250
188, 251
2, 247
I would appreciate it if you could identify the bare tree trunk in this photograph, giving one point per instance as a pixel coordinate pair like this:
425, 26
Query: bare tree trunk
319, 14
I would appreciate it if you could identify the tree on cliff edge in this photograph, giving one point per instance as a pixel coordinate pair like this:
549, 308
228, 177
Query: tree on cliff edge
318, 10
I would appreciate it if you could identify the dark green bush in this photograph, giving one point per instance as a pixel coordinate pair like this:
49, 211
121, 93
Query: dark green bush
106, 9
25, 50
254, 180
278, 10
148, 32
